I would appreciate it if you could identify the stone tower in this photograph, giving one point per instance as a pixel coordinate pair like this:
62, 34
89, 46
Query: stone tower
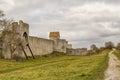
54, 36
24, 31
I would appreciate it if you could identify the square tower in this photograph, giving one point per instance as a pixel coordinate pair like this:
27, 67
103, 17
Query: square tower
54, 36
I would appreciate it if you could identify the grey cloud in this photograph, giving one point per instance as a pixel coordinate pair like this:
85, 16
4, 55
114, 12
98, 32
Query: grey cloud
113, 1
81, 27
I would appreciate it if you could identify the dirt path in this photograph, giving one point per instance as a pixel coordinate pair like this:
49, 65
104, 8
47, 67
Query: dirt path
113, 71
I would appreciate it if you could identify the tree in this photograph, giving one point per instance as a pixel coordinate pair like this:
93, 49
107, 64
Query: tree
94, 48
118, 46
8, 36
1, 13
109, 45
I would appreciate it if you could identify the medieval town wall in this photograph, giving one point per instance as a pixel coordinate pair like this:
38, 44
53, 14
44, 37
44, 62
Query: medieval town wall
19, 40
40, 46
61, 45
77, 52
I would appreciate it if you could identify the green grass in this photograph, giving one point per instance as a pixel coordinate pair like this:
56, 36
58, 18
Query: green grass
117, 53
56, 68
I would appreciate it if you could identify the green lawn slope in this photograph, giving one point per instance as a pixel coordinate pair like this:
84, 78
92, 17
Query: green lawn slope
56, 68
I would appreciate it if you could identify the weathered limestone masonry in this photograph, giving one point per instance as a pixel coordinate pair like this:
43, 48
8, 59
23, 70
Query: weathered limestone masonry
12, 40
60, 45
39, 46
77, 52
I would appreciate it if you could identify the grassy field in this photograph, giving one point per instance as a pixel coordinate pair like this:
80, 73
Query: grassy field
56, 68
117, 53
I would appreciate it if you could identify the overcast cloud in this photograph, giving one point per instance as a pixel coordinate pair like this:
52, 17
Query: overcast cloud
81, 22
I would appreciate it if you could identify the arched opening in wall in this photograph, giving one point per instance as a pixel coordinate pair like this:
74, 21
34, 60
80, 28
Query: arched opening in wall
25, 36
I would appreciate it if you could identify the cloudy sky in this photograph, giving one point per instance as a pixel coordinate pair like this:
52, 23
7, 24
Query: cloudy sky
81, 22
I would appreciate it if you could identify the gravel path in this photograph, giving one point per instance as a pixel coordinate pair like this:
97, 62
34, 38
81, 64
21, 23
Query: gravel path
113, 71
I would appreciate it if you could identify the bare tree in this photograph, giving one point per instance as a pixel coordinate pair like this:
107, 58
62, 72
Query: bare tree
5, 23
7, 34
94, 48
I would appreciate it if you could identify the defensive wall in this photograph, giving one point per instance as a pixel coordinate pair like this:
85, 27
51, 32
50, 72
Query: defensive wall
38, 46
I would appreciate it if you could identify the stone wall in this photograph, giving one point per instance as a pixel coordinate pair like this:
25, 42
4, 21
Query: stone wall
39, 46
60, 45
77, 52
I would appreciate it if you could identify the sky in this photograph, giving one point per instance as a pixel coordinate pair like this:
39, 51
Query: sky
81, 22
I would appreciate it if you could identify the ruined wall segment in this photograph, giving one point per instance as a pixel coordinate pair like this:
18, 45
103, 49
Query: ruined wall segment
24, 32
14, 38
